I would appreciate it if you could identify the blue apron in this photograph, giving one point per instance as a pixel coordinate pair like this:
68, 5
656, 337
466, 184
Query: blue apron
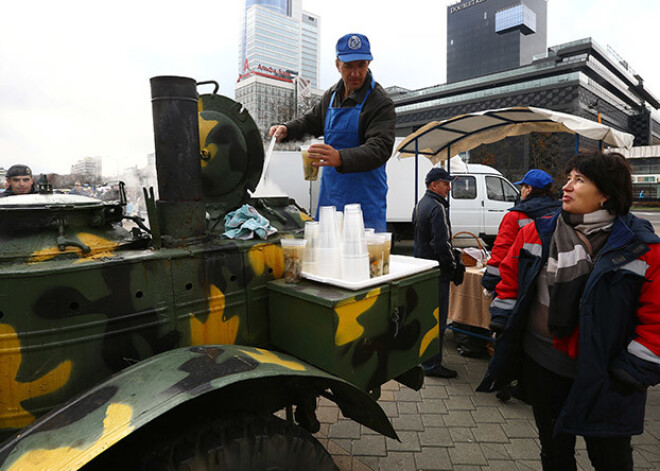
339, 189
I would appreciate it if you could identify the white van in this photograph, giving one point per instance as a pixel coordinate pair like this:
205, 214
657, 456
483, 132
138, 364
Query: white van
479, 199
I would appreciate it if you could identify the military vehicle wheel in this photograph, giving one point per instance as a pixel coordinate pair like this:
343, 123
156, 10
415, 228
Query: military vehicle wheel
254, 443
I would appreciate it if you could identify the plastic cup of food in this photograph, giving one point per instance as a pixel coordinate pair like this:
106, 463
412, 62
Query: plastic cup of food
387, 248
293, 250
310, 172
376, 249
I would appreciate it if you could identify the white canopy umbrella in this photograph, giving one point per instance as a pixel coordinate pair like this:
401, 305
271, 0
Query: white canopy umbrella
439, 140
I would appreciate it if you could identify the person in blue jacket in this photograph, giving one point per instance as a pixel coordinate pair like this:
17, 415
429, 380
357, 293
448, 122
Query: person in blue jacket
356, 118
577, 317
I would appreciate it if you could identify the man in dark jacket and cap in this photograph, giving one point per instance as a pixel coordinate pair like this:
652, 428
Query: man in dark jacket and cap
433, 242
19, 181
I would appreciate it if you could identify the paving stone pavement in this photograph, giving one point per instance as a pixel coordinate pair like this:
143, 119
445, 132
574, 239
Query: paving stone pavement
448, 426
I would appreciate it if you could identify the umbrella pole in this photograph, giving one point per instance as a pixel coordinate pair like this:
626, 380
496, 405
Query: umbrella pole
416, 195
448, 170
416, 173
577, 144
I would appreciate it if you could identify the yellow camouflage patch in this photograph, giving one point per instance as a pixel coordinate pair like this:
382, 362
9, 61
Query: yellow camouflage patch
265, 356
12, 413
211, 150
263, 256
100, 248
216, 329
348, 328
116, 425
431, 334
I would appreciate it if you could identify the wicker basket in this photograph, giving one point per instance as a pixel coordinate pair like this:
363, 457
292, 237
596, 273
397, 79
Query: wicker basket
469, 261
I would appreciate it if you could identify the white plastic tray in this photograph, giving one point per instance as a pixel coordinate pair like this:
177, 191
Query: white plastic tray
400, 267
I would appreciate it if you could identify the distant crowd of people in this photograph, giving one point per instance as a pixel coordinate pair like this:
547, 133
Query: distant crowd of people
105, 192
19, 180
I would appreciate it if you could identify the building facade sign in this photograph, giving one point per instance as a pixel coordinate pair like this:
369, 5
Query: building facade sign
464, 5
265, 71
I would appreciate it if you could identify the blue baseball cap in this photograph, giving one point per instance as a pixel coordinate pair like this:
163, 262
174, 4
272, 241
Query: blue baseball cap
437, 173
536, 178
353, 47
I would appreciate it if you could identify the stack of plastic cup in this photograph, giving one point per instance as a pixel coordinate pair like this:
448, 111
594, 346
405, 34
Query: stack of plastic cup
328, 262
376, 249
369, 231
310, 256
355, 257
340, 223
387, 249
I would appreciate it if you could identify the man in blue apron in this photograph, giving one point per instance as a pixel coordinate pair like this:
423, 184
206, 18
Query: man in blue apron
356, 119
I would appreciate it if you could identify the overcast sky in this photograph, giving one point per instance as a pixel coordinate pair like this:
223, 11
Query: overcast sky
74, 75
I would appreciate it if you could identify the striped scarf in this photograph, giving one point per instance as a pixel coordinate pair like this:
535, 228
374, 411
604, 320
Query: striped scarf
577, 238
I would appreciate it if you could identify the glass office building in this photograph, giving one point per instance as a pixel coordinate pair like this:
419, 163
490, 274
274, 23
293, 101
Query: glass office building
580, 78
278, 59
486, 36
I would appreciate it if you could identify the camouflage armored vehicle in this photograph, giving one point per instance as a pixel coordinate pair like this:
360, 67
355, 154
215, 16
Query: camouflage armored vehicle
169, 347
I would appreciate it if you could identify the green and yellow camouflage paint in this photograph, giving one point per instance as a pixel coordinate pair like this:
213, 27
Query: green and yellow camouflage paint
103, 330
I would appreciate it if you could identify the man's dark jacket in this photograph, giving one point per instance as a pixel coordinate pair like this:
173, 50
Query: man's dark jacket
9, 192
376, 129
433, 232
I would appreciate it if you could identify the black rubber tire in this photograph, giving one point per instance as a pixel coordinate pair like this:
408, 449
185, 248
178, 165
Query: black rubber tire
252, 443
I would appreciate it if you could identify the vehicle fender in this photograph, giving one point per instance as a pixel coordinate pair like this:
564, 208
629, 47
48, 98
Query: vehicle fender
75, 433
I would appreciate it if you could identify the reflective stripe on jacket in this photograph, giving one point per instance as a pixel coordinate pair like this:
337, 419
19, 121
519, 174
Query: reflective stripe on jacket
518, 217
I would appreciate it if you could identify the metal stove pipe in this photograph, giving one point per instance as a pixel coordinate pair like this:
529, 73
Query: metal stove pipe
181, 211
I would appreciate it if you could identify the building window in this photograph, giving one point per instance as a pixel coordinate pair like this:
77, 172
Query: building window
464, 188
518, 17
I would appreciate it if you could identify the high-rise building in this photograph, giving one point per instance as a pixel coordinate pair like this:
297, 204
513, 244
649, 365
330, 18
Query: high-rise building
486, 36
278, 60
88, 166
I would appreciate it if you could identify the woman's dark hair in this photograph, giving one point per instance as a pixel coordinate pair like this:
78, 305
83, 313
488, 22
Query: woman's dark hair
546, 191
611, 174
